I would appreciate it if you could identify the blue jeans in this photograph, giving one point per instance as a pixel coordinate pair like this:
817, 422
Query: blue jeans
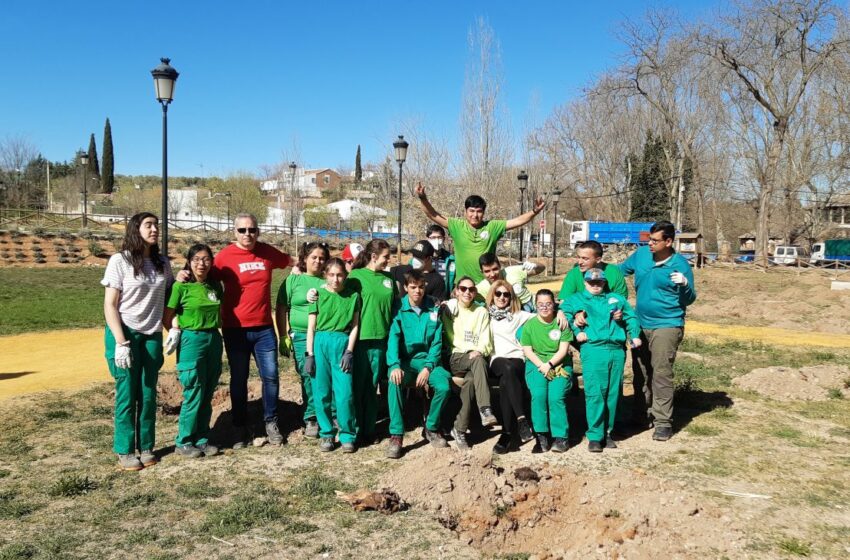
240, 344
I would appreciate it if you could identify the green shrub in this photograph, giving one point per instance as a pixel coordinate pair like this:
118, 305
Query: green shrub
70, 485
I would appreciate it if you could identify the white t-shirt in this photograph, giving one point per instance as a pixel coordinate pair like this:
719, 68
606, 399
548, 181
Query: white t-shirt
142, 297
505, 337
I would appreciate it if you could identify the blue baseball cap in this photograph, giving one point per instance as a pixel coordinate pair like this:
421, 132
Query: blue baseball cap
595, 274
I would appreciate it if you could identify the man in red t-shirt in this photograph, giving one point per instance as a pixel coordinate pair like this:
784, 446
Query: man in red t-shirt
245, 269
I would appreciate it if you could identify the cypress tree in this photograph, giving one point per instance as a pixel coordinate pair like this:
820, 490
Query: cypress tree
358, 170
650, 199
93, 167
108, 181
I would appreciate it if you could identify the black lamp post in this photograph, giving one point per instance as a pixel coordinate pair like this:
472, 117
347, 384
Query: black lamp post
292, 168
84, 161
556, 196
523, 184
164, 78
400, 147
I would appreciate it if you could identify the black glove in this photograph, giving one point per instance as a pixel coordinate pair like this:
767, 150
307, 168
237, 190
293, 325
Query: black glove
347, 362
310, 364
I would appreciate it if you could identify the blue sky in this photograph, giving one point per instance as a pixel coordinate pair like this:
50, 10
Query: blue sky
257, 77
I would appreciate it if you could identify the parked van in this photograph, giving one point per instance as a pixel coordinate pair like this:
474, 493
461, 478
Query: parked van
789, 254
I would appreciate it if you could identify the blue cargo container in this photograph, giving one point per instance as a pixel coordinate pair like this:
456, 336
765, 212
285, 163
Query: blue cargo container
608, 233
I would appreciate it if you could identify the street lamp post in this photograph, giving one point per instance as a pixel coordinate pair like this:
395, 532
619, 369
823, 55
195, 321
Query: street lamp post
556, 196
292, 168
164, 78
523, 184
400, 147
84, 161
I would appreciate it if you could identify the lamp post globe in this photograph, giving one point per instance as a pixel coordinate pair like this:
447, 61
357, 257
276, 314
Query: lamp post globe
400, 148
164, 79
522, 179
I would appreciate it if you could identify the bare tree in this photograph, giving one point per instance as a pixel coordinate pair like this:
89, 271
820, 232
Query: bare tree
485, 134
16, 151
772, 50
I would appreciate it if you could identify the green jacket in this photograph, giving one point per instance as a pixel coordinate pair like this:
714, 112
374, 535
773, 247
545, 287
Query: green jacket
415, 337
601, 328
574, 281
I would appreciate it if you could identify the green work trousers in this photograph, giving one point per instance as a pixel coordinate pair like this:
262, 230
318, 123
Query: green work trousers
331, 384
299, 349
474, 373
198, 368
653, 373
370, 367
602, 370
548, 401
135, 390
439, 380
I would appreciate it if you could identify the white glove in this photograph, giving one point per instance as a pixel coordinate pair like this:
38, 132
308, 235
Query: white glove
312, 295
172, 342
529, 266
451, 307
123, 359
679, 279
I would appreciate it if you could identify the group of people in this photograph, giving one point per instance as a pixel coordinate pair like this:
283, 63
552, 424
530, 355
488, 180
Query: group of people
361, 336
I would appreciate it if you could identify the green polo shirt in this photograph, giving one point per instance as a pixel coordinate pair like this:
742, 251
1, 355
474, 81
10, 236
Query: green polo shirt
197, 304
335, 310
470, 243
377, 294
293, 295
545, 339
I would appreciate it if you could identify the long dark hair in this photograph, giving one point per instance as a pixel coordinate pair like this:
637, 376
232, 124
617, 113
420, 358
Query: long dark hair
374, 247
308, 248
194, 250
134, 245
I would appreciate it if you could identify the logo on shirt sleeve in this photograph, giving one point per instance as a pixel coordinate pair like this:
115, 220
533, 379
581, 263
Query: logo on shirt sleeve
485, 234
434, 315
211, 296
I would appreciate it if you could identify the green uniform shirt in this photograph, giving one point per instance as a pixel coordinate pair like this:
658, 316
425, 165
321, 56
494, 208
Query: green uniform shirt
293, 295
601, 327
198, 304
377, 293
471, 243
335, 310
415, 336
545, 339
574, 281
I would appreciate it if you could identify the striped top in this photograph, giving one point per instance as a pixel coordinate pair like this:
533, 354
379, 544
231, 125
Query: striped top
142, 298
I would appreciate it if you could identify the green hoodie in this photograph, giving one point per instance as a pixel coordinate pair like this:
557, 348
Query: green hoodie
415, 336
601, 328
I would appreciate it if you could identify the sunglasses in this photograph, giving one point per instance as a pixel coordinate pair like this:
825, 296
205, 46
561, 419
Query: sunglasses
251, 230
500, 293
464, 289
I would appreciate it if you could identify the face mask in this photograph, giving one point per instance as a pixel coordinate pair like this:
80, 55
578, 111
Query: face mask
437, 244
416, 263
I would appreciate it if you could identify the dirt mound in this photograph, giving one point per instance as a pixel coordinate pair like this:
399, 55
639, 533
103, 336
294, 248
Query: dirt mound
813, 383
169, 395
503, 510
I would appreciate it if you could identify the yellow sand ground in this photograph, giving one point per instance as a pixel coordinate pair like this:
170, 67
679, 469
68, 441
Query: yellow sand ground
72, 359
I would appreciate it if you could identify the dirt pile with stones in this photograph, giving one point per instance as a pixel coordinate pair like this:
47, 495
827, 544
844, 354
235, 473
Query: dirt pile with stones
551, 512
813, 383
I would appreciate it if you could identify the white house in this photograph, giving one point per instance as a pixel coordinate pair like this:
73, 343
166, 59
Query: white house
309, 183
352, 210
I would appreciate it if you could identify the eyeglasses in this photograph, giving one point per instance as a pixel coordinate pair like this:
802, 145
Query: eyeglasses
464, 289
545, 305
199, 260
251, 230
653, 241
440, 237
500, 293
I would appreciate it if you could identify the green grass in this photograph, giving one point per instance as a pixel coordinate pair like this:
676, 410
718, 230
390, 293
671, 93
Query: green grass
71, 485
50, 299
795, 546
702, 430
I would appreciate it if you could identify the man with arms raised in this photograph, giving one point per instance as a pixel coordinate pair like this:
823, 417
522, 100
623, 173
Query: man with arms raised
472, 235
